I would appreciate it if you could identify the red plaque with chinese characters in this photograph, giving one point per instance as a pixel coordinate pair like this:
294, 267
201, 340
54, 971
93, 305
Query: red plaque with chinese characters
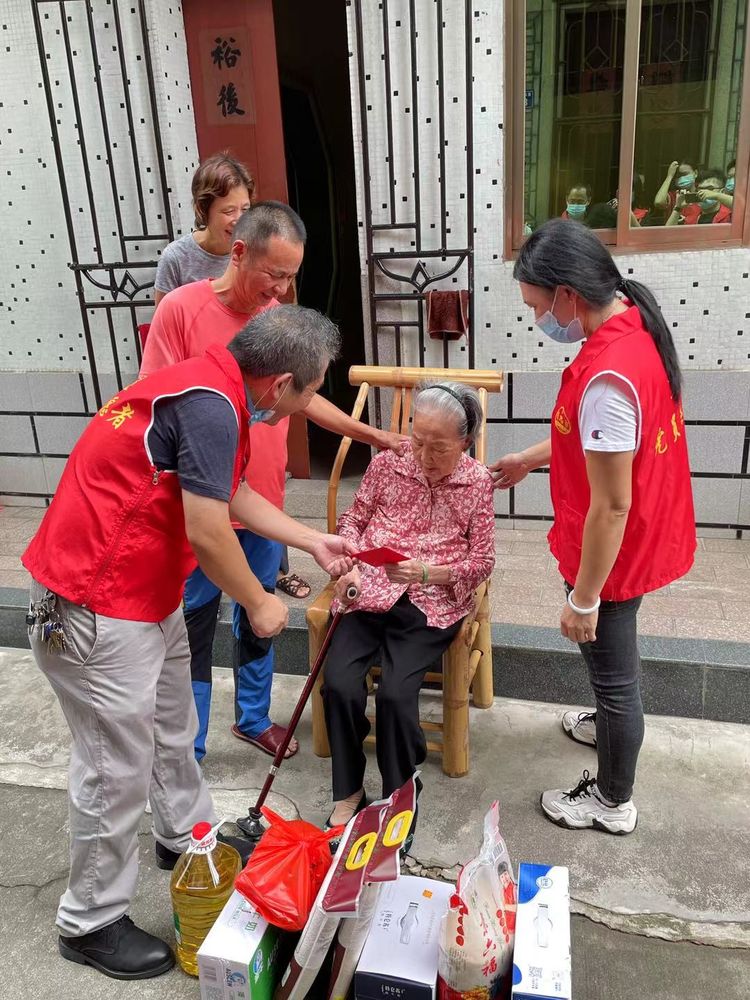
226, 64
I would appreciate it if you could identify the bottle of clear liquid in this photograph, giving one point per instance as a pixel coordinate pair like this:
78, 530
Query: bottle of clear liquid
202, 882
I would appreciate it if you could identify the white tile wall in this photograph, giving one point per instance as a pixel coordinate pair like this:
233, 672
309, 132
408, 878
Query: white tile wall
42, 323
704, 295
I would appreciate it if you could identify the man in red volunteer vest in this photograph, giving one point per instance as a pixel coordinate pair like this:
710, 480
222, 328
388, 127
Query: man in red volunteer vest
712, 205
267, 249
620, 484
152, 485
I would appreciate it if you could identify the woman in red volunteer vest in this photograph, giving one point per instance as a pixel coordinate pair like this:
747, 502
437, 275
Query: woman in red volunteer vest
620, 485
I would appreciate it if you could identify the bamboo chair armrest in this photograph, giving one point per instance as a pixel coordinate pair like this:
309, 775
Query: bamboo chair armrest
466, 628
322, 603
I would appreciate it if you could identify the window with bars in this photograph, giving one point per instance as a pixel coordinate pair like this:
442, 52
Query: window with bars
632, 116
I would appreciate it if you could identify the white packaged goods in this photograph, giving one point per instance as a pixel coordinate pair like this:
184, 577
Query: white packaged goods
541, 959
476, 936
238, 959
400, 956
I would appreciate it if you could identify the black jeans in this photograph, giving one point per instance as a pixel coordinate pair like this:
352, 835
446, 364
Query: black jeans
614, 666
405, 646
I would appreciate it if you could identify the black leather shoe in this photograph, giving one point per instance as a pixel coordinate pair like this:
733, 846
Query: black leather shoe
120, 950
167, 859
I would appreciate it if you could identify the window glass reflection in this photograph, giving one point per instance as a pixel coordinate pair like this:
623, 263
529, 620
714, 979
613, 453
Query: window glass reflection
689, 83
574, 75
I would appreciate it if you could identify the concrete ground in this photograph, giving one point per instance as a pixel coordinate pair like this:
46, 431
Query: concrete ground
663, 914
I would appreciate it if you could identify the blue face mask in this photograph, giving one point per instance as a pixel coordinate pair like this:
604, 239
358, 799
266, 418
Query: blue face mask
729, 186
258, 416
709, 203
576, 211
549, 324
685, 181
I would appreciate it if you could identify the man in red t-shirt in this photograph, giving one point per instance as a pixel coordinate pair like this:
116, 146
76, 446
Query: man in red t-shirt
269, 242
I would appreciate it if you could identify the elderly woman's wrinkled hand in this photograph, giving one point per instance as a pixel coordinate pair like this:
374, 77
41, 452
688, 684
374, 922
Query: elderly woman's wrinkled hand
350, 579
408, 571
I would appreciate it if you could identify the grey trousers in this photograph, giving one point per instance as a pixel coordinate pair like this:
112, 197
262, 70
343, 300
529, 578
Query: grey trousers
124, 688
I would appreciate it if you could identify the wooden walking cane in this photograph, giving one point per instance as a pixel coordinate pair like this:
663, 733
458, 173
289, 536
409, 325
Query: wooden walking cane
251, 825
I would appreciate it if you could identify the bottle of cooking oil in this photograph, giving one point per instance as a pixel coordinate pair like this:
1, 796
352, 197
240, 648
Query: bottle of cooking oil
202, 882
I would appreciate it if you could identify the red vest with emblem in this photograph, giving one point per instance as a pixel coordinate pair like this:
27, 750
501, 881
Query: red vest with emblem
114, 539
659, 542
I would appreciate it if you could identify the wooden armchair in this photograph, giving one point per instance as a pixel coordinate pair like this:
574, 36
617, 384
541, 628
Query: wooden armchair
467, 664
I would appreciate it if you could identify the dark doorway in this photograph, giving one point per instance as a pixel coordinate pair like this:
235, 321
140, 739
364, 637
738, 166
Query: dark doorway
312, 53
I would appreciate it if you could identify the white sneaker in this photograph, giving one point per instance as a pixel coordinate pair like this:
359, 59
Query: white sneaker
583, 807
580, 726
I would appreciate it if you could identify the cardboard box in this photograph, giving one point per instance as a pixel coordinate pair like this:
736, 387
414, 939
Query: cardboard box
541, 957
239, 958
400, 957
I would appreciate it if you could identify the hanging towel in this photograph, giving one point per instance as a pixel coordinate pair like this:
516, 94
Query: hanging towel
448, 314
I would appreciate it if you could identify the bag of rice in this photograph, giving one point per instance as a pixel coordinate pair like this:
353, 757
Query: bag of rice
476, 934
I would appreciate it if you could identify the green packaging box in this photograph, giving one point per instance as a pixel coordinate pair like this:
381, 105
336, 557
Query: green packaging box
239, 959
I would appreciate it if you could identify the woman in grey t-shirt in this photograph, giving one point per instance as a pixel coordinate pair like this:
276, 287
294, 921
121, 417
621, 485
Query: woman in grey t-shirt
222, 190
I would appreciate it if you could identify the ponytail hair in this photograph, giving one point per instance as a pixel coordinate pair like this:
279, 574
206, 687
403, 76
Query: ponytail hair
564, 252
648, 307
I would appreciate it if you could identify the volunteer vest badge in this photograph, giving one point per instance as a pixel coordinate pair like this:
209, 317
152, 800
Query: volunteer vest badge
562, 424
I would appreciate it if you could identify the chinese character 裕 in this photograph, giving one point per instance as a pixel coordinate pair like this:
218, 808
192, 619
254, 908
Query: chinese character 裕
224, 53
119, 417
229, 100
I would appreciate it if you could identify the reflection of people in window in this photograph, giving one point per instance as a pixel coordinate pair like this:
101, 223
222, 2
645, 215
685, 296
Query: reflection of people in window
602, 216
637, 200
638, 203
577, 202
729, 186
680, 178
709, 198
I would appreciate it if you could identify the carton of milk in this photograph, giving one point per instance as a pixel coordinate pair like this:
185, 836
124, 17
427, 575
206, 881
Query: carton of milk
541, 955
238, 959
400, 958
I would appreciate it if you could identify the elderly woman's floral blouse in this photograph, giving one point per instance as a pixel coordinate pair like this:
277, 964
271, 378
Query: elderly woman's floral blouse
449, 524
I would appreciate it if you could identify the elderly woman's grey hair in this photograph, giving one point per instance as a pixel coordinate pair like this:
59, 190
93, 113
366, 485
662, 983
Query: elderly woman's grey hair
458, 402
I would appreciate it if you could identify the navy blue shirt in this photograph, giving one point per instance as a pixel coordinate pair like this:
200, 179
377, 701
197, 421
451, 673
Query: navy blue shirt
196, 435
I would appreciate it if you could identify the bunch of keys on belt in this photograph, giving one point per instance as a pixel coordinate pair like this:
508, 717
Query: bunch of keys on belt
43, 615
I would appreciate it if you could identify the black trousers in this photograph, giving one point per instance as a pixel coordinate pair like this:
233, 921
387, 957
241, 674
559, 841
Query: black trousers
405, 646
614, 667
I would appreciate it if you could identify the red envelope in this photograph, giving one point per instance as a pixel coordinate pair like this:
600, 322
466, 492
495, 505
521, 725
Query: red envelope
380, 556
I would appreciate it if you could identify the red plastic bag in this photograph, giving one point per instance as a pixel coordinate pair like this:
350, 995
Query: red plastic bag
286, 869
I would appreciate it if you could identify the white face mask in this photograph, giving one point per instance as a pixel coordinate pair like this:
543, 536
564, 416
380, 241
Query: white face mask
548, 323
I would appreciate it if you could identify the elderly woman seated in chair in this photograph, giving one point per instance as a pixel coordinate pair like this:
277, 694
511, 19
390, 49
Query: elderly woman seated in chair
432, 504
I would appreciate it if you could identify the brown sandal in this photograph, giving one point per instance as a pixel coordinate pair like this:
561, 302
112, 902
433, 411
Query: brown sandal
268, 741
294, 586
